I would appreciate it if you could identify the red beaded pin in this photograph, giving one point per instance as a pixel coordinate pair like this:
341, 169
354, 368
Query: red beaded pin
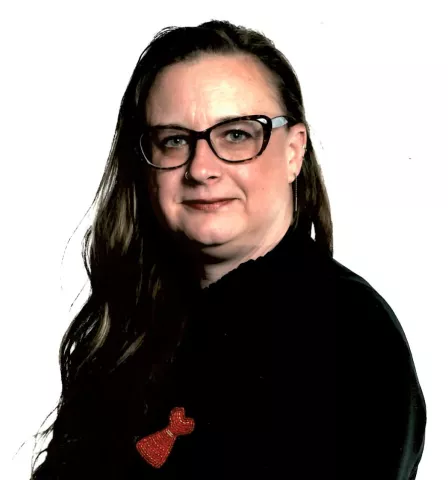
156, 447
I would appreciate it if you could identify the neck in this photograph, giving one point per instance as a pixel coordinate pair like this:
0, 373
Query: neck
210, 268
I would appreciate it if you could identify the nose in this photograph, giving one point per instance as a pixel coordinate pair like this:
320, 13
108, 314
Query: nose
204, 164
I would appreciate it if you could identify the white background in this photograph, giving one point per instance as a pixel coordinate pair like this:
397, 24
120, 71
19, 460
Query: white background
374, 78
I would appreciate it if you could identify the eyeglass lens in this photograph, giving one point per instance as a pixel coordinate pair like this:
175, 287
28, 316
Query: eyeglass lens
233, 141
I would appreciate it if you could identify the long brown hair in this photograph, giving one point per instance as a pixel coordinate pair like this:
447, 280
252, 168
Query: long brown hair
128, 311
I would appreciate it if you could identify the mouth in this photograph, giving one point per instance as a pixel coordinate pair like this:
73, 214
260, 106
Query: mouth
209, 200
208, 205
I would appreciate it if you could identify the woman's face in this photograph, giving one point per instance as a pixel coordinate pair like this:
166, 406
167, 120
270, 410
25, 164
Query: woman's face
196, 95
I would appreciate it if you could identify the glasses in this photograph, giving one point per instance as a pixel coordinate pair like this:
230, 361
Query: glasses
235, 140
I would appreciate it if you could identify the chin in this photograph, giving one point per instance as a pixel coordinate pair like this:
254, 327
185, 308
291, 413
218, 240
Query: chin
210, 239
204, 236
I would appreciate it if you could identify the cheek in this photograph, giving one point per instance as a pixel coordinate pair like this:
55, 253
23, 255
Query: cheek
153, 191
162, 190
256, 182
268, 178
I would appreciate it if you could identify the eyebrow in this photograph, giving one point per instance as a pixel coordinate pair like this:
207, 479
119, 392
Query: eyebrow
218, 120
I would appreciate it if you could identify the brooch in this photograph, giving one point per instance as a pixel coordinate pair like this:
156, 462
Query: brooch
156, 447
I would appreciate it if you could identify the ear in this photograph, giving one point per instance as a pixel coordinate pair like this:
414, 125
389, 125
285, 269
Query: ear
295, 144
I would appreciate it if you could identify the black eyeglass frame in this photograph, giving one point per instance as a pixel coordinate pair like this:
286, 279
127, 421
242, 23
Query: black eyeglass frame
268, 125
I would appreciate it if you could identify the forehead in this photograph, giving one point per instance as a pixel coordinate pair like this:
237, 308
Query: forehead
201, 91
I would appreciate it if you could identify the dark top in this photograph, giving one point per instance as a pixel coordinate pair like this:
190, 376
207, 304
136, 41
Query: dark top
292, 367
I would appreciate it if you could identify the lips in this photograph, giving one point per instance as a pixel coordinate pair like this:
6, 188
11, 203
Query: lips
208, 205
202, 201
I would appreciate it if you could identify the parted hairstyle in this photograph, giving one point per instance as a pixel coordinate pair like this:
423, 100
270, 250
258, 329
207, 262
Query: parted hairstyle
138, 296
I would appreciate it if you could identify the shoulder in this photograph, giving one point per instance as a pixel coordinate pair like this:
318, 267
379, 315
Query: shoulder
365, 321
381, 397
372, 345
365, 311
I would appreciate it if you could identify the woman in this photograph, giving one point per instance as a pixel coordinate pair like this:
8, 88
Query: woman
220, 340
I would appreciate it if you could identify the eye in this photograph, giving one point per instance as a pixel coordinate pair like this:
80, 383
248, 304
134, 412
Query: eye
236, 136
174, 141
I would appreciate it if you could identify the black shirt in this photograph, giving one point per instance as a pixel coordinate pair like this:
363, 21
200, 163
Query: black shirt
292, 366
